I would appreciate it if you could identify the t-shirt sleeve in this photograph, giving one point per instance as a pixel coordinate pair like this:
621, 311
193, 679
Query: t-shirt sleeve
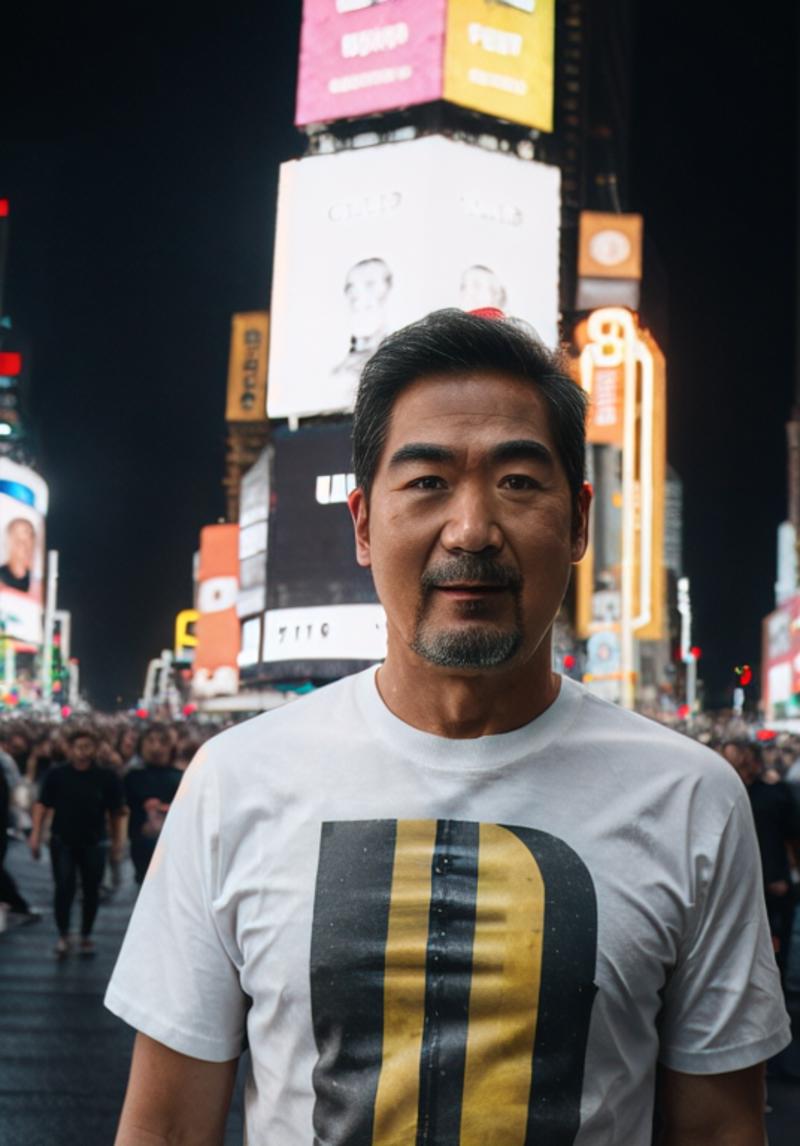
47, 789
177, 975
115, 793
723, 1005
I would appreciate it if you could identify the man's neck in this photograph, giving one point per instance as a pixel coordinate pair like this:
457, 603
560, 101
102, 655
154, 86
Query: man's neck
461, 707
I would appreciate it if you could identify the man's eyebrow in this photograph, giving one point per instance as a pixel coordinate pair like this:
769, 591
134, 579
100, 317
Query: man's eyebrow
522, 449
421, 452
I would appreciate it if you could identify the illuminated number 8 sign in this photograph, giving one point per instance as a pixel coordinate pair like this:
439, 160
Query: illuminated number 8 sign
452, 982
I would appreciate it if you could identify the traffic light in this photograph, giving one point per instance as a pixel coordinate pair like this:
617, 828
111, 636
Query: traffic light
745, 675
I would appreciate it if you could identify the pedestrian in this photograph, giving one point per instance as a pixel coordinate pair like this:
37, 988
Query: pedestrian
455, 897
77, 799
10, 895
777, 823
149, 791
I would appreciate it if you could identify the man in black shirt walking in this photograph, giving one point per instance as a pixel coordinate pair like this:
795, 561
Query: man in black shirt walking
149, 791
78, 796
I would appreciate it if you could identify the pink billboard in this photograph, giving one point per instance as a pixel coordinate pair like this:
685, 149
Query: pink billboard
363, 56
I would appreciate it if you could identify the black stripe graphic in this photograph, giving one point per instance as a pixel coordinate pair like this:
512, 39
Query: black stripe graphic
567, 990
448, 974
351, 913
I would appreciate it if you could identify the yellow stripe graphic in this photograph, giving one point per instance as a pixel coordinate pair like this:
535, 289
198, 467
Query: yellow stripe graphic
504, 994
397, 1100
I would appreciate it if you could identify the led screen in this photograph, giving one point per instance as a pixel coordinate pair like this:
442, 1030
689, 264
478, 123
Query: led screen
23, 507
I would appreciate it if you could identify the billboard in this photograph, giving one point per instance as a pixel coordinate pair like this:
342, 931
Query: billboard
23, 508
499, 59
621, 582
373, 239
247, 367
322, 618
217, 630
253, 516
359, 57
363, 56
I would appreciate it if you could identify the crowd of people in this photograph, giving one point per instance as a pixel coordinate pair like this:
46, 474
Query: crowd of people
98, 789
92, 790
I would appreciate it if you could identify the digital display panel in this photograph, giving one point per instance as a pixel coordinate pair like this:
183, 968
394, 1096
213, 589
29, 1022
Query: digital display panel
23, 508
323, 618
360, 56
373, 239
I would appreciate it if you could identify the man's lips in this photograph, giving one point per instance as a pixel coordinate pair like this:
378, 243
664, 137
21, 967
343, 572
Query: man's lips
470, 590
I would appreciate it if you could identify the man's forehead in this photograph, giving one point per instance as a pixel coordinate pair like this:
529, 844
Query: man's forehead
454, 406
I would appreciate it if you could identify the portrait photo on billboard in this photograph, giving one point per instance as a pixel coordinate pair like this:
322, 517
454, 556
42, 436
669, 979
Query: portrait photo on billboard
371, 240
23, 506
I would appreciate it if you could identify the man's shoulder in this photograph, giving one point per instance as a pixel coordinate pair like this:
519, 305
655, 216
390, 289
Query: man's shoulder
308, 718
609, 728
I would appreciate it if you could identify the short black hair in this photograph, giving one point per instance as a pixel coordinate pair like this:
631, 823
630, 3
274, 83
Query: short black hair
454, 342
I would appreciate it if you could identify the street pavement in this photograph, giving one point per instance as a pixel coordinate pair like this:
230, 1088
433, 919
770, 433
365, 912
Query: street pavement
64, 1059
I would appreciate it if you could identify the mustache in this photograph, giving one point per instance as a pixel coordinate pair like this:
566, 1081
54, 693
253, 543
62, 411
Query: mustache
471, 567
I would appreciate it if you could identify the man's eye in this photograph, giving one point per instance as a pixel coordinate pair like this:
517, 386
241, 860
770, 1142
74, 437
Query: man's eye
429, 482
520, 482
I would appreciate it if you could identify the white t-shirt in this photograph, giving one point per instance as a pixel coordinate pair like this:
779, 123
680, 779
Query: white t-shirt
494, 940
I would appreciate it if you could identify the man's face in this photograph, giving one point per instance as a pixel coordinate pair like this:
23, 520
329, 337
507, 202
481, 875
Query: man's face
20, 545
469, 529
156, 748
742, 761
366, 289
82, 751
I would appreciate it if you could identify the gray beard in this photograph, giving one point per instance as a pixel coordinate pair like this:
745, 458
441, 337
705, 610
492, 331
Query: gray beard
477, 649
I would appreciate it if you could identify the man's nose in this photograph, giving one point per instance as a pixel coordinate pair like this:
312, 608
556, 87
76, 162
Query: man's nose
471, 523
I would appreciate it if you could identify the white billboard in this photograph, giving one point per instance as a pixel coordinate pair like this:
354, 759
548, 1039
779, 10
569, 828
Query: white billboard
370, 240
23, 508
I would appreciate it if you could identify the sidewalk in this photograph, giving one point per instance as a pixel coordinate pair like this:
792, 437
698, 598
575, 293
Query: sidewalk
64, 1058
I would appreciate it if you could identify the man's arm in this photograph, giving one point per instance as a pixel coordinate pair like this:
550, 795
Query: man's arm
41, 816
711, 1109
174, 1100
119, 825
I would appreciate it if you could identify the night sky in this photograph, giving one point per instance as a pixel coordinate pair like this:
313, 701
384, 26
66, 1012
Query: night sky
141, 163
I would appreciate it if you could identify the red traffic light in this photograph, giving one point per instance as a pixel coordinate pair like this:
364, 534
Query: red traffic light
744, 673
696, 652
10, 363
3, 208
569, 662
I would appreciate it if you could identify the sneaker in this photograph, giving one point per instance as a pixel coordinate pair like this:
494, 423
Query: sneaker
86, 946
61, 949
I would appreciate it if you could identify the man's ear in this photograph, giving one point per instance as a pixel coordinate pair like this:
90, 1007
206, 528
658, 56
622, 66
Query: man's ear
580, 526
357, 504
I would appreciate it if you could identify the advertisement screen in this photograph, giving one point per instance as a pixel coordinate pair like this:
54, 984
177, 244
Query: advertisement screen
253, 515
499, 59
218, 638
363, 56
247, 367
23, 508
371, 240
322, 618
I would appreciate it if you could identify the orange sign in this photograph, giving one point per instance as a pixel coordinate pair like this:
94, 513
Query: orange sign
610, 246
216, 670
247, 368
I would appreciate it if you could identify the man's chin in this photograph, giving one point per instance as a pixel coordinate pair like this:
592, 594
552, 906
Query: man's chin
471, 649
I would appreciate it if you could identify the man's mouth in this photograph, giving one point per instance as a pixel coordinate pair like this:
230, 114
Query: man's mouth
470, 590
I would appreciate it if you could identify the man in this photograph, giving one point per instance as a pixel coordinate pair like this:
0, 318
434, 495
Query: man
20, 547
367, 287
459, 899
78, 797
149, 791
777, 826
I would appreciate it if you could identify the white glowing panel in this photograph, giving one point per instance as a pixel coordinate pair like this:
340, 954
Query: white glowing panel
370, 240
328, 632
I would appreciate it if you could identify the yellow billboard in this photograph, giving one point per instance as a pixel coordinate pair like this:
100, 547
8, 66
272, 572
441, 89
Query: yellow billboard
499, 59
247, 368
